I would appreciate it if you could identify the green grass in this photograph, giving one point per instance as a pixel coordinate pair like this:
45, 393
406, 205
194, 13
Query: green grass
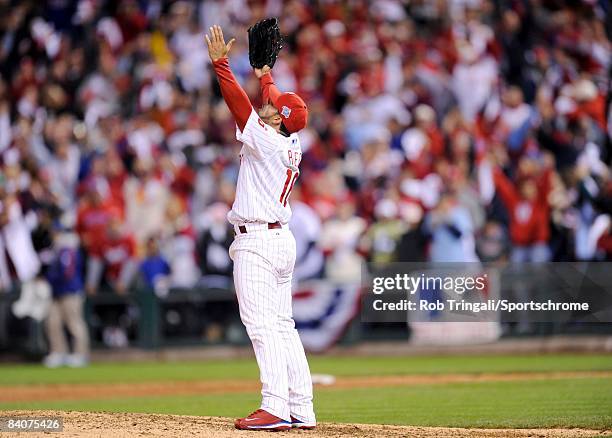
557, 403
569, 402
340, 366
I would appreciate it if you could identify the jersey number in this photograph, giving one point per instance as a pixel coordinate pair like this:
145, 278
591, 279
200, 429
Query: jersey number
289, 182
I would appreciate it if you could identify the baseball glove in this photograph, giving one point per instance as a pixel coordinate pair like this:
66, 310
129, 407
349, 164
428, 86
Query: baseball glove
265, 41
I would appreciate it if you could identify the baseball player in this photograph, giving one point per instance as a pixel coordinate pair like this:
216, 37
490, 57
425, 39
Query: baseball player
263, 250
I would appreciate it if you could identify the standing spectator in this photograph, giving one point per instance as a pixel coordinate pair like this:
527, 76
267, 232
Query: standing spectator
473, 79
381, 240
63, 165
452, 232
64, 275
155, 270
412, 245
146, 199
213, 245
15, 242
179, 244
339, 240
527, 207
93, 217
35, 296
117, 260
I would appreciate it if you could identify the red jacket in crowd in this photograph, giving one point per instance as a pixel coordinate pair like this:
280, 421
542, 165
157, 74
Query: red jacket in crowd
528, 218
92, 223
116, 253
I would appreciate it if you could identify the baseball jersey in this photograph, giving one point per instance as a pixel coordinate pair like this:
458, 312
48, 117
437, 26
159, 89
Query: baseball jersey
269, 167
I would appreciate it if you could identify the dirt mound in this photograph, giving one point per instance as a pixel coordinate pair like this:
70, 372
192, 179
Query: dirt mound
102, 424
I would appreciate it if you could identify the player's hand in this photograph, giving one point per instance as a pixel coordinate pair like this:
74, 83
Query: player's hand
216, 43
259, 72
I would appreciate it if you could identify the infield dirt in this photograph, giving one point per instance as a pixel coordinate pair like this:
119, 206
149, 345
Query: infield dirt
103, 424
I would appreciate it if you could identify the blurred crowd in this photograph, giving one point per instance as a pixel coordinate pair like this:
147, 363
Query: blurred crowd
458, 130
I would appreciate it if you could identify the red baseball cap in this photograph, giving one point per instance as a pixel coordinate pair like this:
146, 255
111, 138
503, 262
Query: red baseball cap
292, 110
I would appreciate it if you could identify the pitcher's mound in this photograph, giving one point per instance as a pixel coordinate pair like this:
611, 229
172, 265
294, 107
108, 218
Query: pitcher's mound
106, 424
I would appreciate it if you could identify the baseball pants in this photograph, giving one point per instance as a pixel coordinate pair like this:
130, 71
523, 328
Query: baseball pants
263, 267
67, 310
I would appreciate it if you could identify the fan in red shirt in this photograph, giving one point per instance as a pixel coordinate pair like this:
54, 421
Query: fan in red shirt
528, 209
93, 217
117, 259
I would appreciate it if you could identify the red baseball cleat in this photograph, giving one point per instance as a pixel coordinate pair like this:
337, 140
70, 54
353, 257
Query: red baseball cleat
262, 420
297, 424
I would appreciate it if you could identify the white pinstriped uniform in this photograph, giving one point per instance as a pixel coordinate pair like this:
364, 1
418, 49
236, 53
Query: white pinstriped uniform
263, 267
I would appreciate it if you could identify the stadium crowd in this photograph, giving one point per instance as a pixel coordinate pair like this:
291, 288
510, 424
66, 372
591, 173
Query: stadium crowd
457, 130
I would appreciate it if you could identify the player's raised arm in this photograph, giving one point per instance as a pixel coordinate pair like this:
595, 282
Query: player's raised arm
233, 94
269, 91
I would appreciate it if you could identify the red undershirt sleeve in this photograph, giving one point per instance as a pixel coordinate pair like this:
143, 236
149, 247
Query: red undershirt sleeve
235, 97
269, 91
505, 188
